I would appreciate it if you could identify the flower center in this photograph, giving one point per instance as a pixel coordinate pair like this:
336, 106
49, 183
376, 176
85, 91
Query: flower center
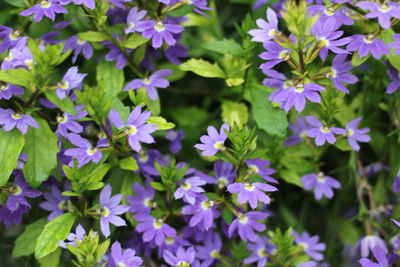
329, 11
29, 63
332, 73
16, 116
243, 219
303, 245
146, 81
157, 224
169, 240
120, 264
219, 145
91, 150
254, 169
207, 204
80, 41
62, 119
45, 4
369, 38
132, 130
159, 26
303, 134
186, 186
214, 254
64, 85
284, 54
350, 132
324, 129
4, 87
183, 264
384, 8
272, 32
262, 253
324, 42
104, 212
249, 187
131, 25
16, 190
147, 202
321, 177
222, 182
9, 57
143, 157
299, 88
14, 35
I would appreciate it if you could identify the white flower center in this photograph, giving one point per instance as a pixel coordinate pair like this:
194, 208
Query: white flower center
91, 150
207, 204
321, 177
219, 145
159, 27
131, 130
16, 116
324, 129
222, 182
157, 224
4, 87
284, 54
186, 186
299, 88
249, 187
350, 132
62, 119
262, 253
243, 219
332, 73
324, 42
369, 38
16, 190
385, 8
64, 85
45, 4
80, 41
272, 32
147, 202
104, 212
14, 35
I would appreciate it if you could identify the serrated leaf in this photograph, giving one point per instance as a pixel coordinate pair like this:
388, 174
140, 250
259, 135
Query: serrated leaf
11, 144
224, 47
128, 164
25, 243
92, 36
161, 123
56, 230
41, 149
203, 68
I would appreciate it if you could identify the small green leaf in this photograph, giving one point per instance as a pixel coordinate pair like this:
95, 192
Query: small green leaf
181, 11
92, 36
158, 186
41, 149
56, 230
65, 104
109, 78
234, 81
227, 215
234, 113
203, 68
387, 37
224, 47
25, 243
128, 164
134, 41
356, 60
11, 144
19, 76
70, 194
161, 123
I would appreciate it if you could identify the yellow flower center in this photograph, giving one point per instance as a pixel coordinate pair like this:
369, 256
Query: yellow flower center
45, 4
132, 130
14, 35
249, 187
324, 129
321, 177
222, 182
350, 132
207, 204
369, 38
272, 32
186, 186
91, 150
16, 190
159, 26
324, 42
62, 119
243, 219
104, 212
284, 54
120, 264
262, 253
299, 88
219, 145
214, 254
80, 41
64, 85
332, 73
4, 87
147, 202
384, 8
157, 224
169, 240
329, 11
183, 264
254, 169
16, 116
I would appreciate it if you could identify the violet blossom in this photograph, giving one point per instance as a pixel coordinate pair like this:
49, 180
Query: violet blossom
10, 119
355, 135
322, 133
66, 122
175, 138
310, 244
183, 257
267, 29
203, 213
71, 80
321, 185
78, 46
133, 20
214, 141
126, 258
153, 228
384, 12
246, 223
159, 32
47, 8
365, 44
252, 193
19, 191
190, 189
143, 200
338, 73
9, 90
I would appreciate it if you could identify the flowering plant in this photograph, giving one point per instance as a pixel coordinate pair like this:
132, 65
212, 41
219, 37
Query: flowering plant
199, 133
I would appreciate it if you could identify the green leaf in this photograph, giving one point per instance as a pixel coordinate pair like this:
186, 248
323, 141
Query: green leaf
65, 104
343, 145
128, 164
234, 81
181, 11
161, 123
203, 68
291, 177
19, 76
17, 3
356, 60
25, 243
51, 260
224, 47
70, 194
110, 78
227, 215
92, 36
234, 113
158, 186
387, 37
41, 149
11, 144
134, 41
56, 230
271, 120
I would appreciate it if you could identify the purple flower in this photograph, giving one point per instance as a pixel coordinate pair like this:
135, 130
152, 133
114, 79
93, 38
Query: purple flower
67, 122
79, 46
369, 242
146, 160
55, 202
383, 12
296, 96
395, 77
19, 192
268, 29
322, 133
10, 119
10, 218
71, 80
397, 223
85, 152
181, 258
133, 20
142, 202
9, 38
8, 90
136, 128
19, 56
321, 184
355, 135
310, 244
119, 3
396, 183
261, 249
338, 73
47, 8
175, 138
159, 32
380, 256
395, 44
326, 34
365, 44
153, 229
125, 258
156, 80
259, 166
214, 141
203, 213
115, 54
247, 223
326, 12
87, 3
211, 249
224, 173
109, 209
252, 192
274, 54
72, 238
190, 190
300, 128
